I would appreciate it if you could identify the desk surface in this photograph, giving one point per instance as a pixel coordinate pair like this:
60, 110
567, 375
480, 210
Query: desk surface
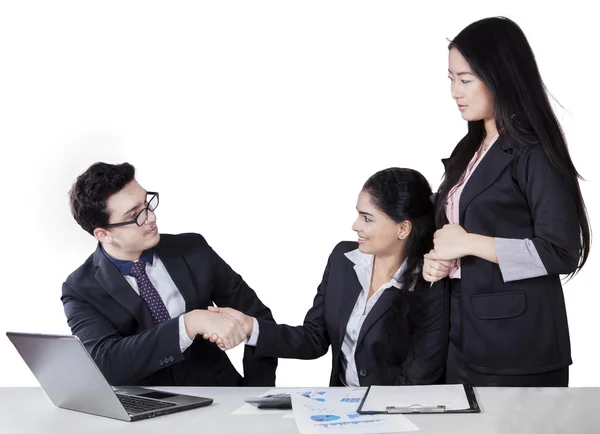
503, 410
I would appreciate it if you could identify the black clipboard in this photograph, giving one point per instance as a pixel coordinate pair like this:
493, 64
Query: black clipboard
418, 409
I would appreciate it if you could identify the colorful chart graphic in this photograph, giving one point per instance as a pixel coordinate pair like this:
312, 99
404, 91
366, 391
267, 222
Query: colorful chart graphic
324, 417
317, 396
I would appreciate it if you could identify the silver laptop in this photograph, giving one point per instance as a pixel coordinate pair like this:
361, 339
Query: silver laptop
72, 380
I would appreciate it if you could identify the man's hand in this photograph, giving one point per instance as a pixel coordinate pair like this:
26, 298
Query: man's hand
224, 328
244, 321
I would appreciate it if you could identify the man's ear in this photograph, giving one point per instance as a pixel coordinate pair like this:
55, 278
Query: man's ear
103, 235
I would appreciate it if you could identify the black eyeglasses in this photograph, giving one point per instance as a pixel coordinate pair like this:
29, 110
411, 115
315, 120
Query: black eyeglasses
141, 218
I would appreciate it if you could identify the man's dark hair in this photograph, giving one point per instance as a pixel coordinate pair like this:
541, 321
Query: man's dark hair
91, 191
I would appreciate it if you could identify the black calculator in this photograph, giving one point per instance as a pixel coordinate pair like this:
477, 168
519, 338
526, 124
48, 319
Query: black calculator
279, 400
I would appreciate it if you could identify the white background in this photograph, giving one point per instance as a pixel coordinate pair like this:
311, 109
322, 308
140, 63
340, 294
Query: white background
258, 122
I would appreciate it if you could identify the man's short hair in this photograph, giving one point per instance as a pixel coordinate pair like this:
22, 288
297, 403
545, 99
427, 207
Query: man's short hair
93, 188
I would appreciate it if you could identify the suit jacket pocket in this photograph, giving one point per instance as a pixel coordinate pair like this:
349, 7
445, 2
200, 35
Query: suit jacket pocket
499, 305
495, 330
509, 332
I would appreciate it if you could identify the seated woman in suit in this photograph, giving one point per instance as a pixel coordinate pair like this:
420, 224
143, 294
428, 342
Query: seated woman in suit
385, 324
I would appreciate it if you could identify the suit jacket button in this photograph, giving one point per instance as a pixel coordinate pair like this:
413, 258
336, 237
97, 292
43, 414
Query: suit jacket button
161, 362
171, 358
166, 360
363, 372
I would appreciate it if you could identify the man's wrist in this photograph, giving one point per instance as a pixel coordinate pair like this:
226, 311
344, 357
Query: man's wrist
249, 325
190, 320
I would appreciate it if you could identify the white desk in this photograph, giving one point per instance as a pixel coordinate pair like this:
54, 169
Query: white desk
503, 410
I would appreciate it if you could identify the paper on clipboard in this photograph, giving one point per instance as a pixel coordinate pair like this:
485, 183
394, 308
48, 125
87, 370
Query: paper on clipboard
385, 398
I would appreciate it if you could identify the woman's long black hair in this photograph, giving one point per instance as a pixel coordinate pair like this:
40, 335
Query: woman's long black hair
499, 54
404, 194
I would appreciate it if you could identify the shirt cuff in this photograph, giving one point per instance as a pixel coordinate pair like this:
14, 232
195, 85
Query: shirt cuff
254, 336
184, 340
518, 259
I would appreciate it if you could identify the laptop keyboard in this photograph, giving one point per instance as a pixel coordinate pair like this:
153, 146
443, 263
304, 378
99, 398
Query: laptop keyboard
134, 404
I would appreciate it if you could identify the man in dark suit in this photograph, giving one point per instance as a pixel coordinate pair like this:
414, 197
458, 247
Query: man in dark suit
139, 301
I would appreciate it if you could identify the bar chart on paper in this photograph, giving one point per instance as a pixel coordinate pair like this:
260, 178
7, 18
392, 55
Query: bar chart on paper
324, 417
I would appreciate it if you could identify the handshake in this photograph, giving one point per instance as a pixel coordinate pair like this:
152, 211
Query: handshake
222, 325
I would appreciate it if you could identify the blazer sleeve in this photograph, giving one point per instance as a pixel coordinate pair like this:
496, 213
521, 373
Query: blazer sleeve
308, 341
426, 357
122, 360
553, 211
230, 290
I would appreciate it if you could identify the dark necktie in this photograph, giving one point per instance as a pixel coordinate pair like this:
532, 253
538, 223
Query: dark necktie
149, 293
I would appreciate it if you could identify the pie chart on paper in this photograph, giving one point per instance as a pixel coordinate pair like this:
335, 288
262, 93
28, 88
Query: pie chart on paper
324, 417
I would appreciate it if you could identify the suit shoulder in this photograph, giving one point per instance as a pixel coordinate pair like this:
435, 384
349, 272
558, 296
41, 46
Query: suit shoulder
345, 246
527, 147
188, 239
533, 158
83, 273
342, 248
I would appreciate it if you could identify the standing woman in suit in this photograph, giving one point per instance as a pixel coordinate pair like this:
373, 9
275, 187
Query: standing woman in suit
511, 217
384, 323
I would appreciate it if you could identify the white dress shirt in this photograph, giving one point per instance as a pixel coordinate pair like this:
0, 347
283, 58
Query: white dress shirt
363, 266
169, 294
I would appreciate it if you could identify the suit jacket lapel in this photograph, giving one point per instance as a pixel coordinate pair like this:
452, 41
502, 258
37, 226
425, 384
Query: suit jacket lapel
179, 272
111, 279
381, 307
350, 292
488, 169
